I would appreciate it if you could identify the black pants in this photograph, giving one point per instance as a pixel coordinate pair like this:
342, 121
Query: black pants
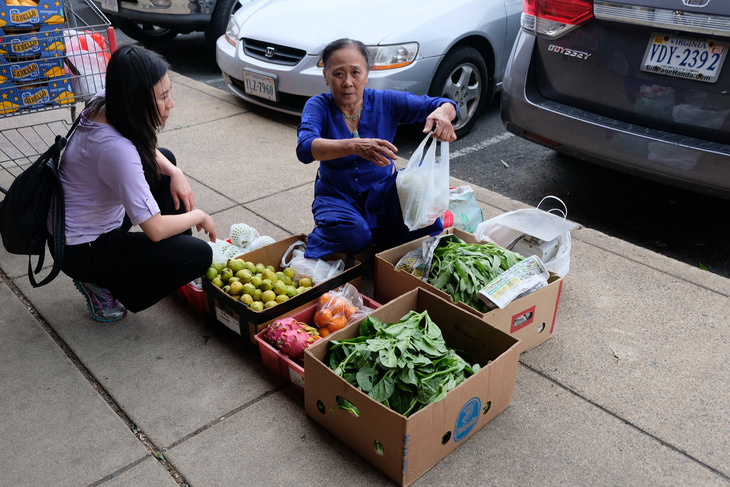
136, 270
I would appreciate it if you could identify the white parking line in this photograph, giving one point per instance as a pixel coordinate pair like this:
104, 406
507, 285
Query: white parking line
481, 145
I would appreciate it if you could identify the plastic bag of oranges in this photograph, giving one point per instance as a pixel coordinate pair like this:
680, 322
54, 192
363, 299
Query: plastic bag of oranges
335, 309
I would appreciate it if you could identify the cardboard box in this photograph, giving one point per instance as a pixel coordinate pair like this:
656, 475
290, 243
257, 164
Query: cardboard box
245, 322
531, 319
33, 43
23, 71
280, 364
30, 96
412, 445
19, 16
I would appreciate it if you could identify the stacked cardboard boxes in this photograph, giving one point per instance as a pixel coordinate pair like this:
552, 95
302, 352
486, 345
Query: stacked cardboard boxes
32, 49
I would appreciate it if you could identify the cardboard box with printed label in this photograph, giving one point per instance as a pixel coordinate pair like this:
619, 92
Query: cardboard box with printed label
531, 319
404, 448
32, 96
33, 43
29, 16
50, 65
242, 320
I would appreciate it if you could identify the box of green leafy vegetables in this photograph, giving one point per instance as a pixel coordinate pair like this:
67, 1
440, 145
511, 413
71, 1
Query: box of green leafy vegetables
409, 383
530, 318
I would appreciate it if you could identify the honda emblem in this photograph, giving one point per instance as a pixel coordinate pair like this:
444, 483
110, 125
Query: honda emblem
270, 50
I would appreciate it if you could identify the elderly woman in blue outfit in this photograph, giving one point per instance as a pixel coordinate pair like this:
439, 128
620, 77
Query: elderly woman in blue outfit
350, 130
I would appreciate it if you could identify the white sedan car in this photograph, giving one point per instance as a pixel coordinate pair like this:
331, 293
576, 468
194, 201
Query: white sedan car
270, 53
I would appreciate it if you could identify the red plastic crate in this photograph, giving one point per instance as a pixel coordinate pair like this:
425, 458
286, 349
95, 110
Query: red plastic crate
282, 365
193, 296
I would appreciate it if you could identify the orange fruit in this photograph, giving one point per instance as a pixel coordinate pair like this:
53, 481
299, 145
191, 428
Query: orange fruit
324, 299
351, 310
339, 306
325, 316
324, 331
338, 322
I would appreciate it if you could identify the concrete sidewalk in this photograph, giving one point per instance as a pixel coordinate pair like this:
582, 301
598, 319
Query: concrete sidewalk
633, 389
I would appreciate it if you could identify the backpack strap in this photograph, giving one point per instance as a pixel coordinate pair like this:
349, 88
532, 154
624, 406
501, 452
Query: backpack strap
58, 214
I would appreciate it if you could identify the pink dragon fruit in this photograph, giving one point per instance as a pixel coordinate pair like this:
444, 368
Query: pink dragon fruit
293, 342
277, 328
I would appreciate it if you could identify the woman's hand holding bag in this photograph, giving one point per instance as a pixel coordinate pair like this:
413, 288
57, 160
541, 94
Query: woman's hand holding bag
423, 185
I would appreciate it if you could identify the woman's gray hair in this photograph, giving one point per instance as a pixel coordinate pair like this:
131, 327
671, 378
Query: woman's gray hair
342, 43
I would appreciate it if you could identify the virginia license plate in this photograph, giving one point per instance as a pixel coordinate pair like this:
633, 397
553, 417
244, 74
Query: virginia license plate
259, 84
685, 57
111, 5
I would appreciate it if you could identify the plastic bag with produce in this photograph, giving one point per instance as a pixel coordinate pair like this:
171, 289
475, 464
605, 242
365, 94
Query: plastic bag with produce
335, 309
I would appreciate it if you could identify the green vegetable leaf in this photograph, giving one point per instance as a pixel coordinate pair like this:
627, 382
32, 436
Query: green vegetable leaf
343, 403
384, 388
402, 400
376, 344
408, 376
388, 357
369, 326
365, 378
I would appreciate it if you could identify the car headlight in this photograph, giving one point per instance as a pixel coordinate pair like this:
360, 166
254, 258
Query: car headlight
391, 57
232, 32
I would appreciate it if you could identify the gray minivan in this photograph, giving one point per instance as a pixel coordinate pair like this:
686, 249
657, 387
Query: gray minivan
635, 85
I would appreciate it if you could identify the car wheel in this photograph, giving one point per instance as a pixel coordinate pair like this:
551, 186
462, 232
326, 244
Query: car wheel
219, 21
462, 77
147, 34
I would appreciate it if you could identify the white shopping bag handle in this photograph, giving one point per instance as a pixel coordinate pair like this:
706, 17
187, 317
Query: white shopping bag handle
563, 213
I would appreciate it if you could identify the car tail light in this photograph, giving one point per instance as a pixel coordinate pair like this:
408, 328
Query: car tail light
554, 18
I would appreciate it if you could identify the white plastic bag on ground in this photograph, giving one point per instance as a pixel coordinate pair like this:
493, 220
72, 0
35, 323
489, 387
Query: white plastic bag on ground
496, 231
423, 185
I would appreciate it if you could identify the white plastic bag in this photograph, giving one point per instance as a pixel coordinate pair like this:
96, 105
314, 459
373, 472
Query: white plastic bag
302, 266
87, 56
464, 211
325, 270
494, 230
318, 270
423, 185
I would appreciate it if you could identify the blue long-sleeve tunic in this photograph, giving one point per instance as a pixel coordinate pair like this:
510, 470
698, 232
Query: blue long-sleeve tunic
354, 197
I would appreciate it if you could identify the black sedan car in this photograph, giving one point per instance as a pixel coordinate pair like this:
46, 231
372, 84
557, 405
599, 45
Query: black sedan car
636, 85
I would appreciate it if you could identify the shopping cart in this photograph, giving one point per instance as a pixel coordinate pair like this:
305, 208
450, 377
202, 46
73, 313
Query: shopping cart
47, 72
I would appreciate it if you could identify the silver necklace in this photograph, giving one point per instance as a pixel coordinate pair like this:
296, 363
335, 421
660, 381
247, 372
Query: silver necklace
355, 134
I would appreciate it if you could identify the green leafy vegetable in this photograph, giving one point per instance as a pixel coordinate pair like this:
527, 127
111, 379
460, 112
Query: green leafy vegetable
404, 365
461, 270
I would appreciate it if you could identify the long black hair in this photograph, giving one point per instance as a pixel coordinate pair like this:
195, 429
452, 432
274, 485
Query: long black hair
345, 42
130, 104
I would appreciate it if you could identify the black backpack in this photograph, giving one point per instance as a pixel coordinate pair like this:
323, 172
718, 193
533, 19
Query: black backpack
24, 211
